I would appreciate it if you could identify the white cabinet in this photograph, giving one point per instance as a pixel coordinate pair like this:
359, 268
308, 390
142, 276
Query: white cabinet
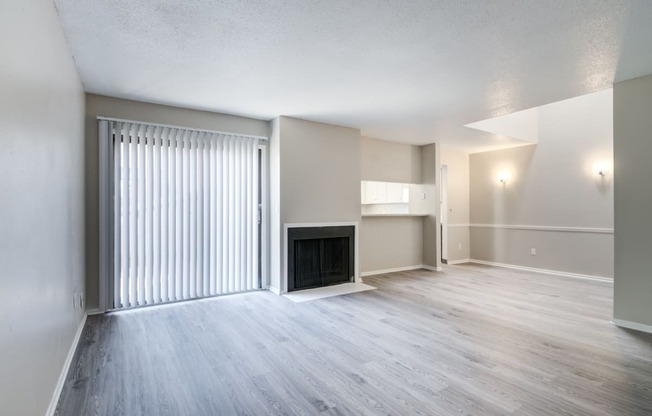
392, 198
397, 193
374, 192
382, 198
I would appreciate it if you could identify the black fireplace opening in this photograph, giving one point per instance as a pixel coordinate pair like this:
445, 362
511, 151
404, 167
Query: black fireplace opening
320, 256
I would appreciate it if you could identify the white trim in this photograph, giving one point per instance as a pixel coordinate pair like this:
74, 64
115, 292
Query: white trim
458, 225
432, 268
66, 366
443, 189
460, 261
105, 184
632, 325
545, 271
94, 311
392, 270
264, 215
306, 295
274, 290
407, 215
171, 126
356, 250
401, 269
545, 228
318, 224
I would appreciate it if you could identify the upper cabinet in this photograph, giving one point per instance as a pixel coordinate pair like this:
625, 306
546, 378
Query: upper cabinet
392, 198
398, 193
373, 192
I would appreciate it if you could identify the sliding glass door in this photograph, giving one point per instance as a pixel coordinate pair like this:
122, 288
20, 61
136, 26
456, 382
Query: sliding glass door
184, 213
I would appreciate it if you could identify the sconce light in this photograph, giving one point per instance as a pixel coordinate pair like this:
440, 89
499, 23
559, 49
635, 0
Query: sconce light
601, 168
503, 177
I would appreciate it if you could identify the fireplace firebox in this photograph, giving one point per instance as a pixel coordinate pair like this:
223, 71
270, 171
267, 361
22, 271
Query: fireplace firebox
320, 256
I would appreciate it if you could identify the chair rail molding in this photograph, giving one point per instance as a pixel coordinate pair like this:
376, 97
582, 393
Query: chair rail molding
565, 229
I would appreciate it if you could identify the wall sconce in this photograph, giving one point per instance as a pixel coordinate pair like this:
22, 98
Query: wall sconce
503, 177
601, 168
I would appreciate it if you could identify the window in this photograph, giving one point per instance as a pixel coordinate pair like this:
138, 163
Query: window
182, 211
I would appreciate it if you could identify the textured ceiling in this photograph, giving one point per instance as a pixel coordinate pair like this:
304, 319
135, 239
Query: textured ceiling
414, 71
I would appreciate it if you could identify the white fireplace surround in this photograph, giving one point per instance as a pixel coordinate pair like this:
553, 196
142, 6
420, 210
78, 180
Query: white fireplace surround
356, 262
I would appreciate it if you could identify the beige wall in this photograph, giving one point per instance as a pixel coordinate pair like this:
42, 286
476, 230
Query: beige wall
315, 179
390, 242
552, 184
633, 203
97, 105
457, 164
42, 208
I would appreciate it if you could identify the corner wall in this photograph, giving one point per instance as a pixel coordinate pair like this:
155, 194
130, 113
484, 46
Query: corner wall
554, 200
457, 164
388, 243
430, 177
633, 203
42, 208
315, 175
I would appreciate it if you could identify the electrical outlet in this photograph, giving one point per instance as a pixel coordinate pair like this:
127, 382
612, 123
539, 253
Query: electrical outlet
81, 300
459, 246
423, 196
533, 251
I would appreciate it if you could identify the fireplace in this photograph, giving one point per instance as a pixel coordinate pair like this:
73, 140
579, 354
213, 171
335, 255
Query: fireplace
320, 256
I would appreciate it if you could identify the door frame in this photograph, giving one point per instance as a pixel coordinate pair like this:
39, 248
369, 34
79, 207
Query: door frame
444, 213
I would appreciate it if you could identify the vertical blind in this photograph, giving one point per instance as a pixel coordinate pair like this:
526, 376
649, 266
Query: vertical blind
185, 213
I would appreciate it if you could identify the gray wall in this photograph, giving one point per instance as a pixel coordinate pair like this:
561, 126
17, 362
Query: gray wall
633, 204
390, 242
275, 223
458, 203
386, 161
97, 105
430, 166
552, 184
41, 213
399, 242
315, 178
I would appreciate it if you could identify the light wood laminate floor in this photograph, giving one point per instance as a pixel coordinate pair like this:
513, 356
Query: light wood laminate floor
471, 340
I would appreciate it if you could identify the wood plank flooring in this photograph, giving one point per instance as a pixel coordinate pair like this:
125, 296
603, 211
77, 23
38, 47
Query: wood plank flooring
471, 340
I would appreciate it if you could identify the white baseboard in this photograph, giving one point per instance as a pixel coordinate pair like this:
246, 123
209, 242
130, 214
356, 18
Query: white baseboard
274, 290
632, 325
96, 311
434, 269
66, 366
451, 262
401, 269
392, 270
545, 271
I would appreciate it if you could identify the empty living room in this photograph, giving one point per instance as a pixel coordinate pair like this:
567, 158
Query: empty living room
325, 207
